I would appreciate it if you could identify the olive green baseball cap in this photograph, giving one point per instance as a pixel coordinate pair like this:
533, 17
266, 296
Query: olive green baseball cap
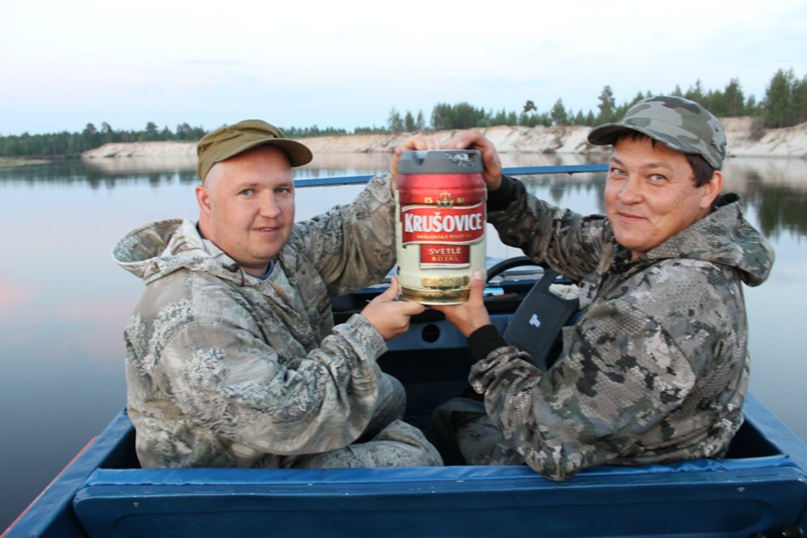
678, 123
231, 140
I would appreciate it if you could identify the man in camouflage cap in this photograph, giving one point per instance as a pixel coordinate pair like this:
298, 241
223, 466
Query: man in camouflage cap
233, 359
656, 367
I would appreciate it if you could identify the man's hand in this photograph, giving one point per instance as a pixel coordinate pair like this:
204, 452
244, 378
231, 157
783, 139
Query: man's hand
476, 140
416, 142
472, 314
388, 315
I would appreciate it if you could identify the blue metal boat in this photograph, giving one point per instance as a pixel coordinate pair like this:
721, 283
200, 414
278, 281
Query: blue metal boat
759, 489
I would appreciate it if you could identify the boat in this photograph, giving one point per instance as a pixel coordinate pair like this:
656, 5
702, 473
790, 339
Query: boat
759, 489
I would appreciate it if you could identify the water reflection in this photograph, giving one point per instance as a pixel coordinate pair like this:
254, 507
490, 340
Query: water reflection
75, 172
774, 189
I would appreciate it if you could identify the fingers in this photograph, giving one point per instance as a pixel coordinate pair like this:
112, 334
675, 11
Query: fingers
411, 308
391, 293
419, 142
469, 139
388, 315
477, 293
393, 167
472, 314
416, 142
476, 140
408, 308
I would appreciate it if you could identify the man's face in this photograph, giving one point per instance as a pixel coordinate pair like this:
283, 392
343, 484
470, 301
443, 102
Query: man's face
650, 194
247, 206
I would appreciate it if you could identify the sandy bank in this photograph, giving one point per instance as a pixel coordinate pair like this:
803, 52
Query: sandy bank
742, 142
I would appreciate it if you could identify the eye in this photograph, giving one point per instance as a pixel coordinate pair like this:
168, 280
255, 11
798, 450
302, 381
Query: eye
616, 171
657, 178
284, 190
247, 192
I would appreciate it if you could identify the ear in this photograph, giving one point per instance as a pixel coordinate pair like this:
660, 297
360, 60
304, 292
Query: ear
711, 189
203, 199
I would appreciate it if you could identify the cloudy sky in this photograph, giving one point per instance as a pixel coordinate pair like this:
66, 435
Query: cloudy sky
348, 63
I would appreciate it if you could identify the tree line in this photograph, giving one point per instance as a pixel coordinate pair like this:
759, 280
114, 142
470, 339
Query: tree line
784, 104
72, 144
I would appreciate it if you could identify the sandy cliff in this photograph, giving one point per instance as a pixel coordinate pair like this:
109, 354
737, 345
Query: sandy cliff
743, 141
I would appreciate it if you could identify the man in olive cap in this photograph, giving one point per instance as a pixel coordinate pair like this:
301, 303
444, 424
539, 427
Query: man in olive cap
656, 367
233, 359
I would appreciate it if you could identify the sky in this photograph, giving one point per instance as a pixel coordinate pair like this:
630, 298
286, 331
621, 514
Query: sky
349, 63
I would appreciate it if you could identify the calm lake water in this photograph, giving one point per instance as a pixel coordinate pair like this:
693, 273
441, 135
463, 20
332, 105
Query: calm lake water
64, 302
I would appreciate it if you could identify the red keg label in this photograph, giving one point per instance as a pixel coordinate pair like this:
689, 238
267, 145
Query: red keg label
422, 224
427, 195
445, 255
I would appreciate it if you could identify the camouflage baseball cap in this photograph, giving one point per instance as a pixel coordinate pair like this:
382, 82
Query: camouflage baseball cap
230, 140
678, 123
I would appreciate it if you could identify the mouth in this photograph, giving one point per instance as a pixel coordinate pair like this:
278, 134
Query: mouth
267, 229
628, 217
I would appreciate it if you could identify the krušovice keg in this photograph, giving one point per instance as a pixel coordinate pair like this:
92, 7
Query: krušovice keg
440, 225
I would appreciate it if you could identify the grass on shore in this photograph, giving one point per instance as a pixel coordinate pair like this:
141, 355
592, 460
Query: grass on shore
20, 161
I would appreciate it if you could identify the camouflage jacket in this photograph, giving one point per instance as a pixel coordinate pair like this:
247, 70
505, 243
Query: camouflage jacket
227, 370
656, 368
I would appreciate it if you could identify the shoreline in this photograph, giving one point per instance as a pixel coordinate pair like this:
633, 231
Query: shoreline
789, 142
21, 161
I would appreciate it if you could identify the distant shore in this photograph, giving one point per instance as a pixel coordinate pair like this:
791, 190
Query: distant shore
20, 161
743, 141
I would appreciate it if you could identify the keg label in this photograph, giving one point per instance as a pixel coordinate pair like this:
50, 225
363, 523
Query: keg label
444, 234
431, 223
456, 256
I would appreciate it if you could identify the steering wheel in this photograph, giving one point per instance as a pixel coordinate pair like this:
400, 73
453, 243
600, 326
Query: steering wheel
511, 263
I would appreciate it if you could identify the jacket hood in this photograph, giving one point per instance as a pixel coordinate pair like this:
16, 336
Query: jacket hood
155, 250
723, 237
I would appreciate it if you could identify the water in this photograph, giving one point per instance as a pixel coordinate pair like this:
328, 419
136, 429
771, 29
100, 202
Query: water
63, 302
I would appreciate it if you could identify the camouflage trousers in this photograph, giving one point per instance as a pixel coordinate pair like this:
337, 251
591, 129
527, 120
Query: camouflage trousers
387, 441
481, 443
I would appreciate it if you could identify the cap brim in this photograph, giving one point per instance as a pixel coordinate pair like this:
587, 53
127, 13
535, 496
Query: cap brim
298, 153
605, 135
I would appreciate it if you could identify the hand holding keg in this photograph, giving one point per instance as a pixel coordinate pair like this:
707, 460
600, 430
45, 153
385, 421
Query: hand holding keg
416, 142
388, 315
490, 158
470, 315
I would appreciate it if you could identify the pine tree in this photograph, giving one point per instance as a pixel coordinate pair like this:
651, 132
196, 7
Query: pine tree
778, 101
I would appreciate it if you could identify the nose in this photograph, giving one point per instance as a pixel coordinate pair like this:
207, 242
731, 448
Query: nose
631, 190
269, 206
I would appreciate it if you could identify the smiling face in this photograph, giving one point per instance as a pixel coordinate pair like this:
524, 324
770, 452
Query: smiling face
247, 206
650, 193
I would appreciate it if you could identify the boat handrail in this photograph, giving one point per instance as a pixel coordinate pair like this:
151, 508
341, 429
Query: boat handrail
358, 179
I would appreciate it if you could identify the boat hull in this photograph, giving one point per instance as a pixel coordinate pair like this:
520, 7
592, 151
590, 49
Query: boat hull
104, 494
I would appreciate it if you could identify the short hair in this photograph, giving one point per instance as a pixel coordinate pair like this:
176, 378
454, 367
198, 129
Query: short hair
703, 170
